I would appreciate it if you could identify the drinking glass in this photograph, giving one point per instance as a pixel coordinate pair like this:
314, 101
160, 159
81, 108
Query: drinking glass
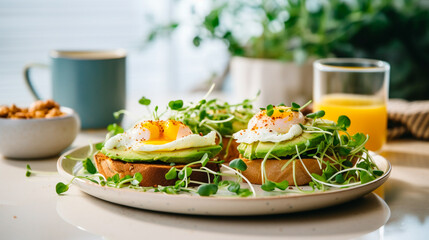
357, 88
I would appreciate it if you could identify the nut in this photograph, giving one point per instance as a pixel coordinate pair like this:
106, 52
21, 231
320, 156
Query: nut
54, 112
20, 115
39, 114
14, 109
4, 110
39, 109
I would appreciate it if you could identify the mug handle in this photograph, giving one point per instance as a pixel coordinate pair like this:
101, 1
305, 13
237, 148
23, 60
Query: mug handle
26, 73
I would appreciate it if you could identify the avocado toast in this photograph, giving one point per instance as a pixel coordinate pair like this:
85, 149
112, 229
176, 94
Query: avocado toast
282, 146
153, 148
253, 155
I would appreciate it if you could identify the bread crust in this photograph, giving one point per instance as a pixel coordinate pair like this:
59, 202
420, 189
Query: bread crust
232, 150
273, 169
274, 173
153, 173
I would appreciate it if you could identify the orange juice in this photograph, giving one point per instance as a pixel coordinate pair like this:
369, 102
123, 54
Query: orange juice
367, 114
380, 191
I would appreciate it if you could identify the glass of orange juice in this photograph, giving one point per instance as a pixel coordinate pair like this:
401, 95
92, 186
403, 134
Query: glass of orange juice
357, 88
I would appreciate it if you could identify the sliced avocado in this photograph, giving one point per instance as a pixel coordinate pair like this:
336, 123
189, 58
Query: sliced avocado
285, 148
178, 156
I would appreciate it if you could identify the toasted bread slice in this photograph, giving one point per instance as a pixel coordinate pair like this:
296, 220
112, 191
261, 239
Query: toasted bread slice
273, 169
153, 173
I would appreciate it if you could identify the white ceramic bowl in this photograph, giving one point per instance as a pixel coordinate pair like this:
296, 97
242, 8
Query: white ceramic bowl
38, 138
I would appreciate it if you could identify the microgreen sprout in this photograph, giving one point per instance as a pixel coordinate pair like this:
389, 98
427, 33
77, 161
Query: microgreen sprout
270, 110
117, 114
155, 113
209, 115
305, 105
171, 174
238, 164
99, 146
242, 177
144, 101
269, 186
295, 107
315, 115
61, 188
89, 166
264, 177
114, 129
343, 122
207, 189
30, 172
175, 105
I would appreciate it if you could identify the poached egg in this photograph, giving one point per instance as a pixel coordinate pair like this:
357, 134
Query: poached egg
159, 135
282, 125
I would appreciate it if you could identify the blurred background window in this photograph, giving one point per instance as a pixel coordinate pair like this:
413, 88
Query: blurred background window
30, 29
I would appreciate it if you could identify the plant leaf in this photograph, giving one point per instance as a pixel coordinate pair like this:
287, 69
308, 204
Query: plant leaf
28, 173
343, 122
238, 164
207, 189
282, 185
186, 170
171, 174
339, 178
115, 129
116, 178
99, 146
61, 188
328, 172
197, 41
89, 166
138, 176
365, 177
378, 172
244, 192
268, 186
270, 110
234, 187
295, 107
343, 151
144, 101
175, 105
318, 177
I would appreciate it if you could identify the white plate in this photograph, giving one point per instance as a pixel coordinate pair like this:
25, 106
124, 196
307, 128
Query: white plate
224, 206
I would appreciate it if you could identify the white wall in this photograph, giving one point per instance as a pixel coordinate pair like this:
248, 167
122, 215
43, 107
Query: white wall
29, 29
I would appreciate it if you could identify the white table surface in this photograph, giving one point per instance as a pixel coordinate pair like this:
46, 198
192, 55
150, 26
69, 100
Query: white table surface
31, 209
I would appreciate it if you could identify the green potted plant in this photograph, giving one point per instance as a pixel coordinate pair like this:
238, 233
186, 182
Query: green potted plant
272, 43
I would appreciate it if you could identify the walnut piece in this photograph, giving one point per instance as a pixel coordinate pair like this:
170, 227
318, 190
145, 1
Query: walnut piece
54, 112
39, 109
4, 111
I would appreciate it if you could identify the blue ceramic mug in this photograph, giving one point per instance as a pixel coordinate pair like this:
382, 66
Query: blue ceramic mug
90, 82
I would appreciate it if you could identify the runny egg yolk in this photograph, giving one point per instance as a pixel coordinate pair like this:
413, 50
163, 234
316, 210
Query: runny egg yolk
280, 112
161, 132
